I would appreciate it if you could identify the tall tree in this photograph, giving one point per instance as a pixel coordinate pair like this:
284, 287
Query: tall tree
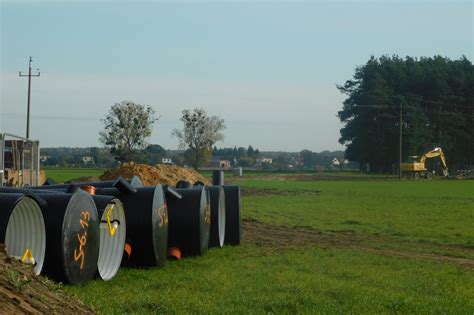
199, 133
437, 99
126, 127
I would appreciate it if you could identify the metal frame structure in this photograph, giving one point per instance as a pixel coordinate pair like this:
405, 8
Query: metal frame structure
25, 159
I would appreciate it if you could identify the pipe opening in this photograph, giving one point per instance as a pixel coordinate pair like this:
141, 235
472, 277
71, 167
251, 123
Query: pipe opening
159, 225
204, 220
112, 239
221, 220
25, 237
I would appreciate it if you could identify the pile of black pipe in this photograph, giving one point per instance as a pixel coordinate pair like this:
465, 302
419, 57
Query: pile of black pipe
79, 231
146, 216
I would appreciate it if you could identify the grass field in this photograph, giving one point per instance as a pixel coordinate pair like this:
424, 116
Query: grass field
345, 245
61, 175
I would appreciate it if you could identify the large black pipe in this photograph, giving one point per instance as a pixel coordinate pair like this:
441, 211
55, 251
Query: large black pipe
218, 211
22, 228
72, 237
112, 228
146, 213
233, 219
218, 178
189, 219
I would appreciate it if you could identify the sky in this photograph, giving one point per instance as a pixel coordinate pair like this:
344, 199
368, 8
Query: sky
268, 68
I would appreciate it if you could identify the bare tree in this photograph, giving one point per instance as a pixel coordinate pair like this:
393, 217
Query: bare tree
127, 125
200, 132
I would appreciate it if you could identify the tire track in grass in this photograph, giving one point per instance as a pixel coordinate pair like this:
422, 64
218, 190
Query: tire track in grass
276, 237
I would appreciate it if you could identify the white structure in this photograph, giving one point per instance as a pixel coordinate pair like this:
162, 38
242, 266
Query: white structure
261, 160
167, 161
335, 162
88, 160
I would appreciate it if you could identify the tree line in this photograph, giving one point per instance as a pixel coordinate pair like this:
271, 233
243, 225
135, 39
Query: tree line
435, 97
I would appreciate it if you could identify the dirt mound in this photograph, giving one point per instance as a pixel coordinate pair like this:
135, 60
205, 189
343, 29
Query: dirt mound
22, 292
154, 175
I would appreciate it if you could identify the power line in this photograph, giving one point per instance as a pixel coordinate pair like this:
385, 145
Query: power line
422, 100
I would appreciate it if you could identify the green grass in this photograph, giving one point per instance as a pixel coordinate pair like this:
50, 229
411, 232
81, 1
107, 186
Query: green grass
438, 211
418, 217
241, 280
262, 173
61, 175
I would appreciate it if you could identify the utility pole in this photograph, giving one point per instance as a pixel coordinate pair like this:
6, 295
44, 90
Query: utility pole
29, 75
400, 143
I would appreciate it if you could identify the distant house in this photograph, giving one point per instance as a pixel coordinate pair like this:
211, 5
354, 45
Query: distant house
335, 162
88, 160
44, 158
260, 160
166, 161
217, 162
220, 164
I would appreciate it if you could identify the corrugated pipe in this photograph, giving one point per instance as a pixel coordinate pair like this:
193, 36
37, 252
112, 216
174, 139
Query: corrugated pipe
146, 214
112, 229
189, 219
217, 202
22, 228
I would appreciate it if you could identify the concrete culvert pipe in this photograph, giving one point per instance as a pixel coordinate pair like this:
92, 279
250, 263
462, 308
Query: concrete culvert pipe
233, 219
146, 213
72, 237
189, 219
22, 229
112, 235
218, 211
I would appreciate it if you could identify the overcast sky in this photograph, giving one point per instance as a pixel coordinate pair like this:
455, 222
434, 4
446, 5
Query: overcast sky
269, 68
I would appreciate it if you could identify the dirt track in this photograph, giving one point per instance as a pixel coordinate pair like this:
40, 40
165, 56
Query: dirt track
277, 237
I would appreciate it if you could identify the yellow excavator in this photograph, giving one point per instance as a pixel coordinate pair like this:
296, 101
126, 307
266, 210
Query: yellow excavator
416, 168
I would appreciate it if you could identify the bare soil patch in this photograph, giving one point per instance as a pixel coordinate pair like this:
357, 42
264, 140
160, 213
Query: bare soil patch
277, 237
22, 292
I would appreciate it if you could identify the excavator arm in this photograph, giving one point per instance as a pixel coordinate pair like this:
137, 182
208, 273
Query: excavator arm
435, 153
